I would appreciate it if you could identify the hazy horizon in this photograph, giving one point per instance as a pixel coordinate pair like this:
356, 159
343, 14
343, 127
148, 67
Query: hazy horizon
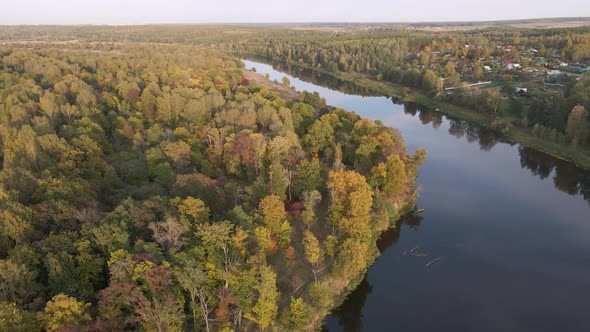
112, 12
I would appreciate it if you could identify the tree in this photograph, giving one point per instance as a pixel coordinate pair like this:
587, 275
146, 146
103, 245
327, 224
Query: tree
278, 181
431, 82
15, 218
217, 239
156, 304
351, 203
320, 136
307, 177
265, 309
63, 311
170, 234
193, 279
15, 319
299, 313
492, 100
578, 127
286, 81
390, 176
311, 246
180, 155
310, 200
192, 210
17, 282
274, 217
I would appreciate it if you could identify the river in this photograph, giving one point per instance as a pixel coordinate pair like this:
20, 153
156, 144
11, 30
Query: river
510, 227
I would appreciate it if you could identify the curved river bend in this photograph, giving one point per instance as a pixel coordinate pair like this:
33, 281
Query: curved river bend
510, 225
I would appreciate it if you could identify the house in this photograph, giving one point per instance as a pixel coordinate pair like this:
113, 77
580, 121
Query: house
534, 50
554, 73
540, 62
522, 92
575, 70
487, 68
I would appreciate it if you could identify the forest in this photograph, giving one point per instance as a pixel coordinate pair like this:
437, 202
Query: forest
535, 84
152, 187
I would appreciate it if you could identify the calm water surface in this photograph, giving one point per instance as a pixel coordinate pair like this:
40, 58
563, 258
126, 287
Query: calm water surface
510, 225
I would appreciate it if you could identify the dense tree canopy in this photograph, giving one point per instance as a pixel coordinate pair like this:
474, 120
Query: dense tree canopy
156, 188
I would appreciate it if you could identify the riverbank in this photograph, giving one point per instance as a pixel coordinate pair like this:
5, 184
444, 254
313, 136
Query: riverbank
578, 156
283, 91
336, 284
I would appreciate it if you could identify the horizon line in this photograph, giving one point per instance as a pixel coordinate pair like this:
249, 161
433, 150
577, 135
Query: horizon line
569, 18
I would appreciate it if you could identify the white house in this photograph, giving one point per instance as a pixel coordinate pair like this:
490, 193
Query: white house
553, 73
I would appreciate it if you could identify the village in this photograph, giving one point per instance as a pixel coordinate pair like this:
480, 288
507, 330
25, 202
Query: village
517, 71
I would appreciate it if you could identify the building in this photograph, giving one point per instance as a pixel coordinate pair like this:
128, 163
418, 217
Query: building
554, 73
522, 92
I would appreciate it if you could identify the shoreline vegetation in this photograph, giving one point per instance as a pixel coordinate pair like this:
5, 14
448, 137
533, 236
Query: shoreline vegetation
579, 156
404, 205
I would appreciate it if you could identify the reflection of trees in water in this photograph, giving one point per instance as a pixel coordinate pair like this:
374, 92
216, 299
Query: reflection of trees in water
456, 128
568, 178
486, 138
536, 162
409, 108
350, 313
328, 81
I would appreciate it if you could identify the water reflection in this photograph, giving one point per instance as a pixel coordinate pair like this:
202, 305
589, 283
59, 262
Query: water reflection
566, 176
349, 314
328, 81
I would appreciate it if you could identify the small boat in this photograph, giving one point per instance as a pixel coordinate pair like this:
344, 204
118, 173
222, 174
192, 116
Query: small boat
419, 210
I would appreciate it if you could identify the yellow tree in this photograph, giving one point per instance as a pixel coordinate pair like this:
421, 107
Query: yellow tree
351, 203
274, 217
312, 250
390, 176
64, 311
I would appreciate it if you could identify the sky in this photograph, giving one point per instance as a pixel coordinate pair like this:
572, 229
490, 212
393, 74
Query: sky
276, 11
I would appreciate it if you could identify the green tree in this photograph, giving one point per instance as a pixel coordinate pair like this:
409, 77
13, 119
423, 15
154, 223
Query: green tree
307, 177
578, 127
310, 201
278, 181
319, 137
17, 282
265, 309
299, 313
431, 82
311, 246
